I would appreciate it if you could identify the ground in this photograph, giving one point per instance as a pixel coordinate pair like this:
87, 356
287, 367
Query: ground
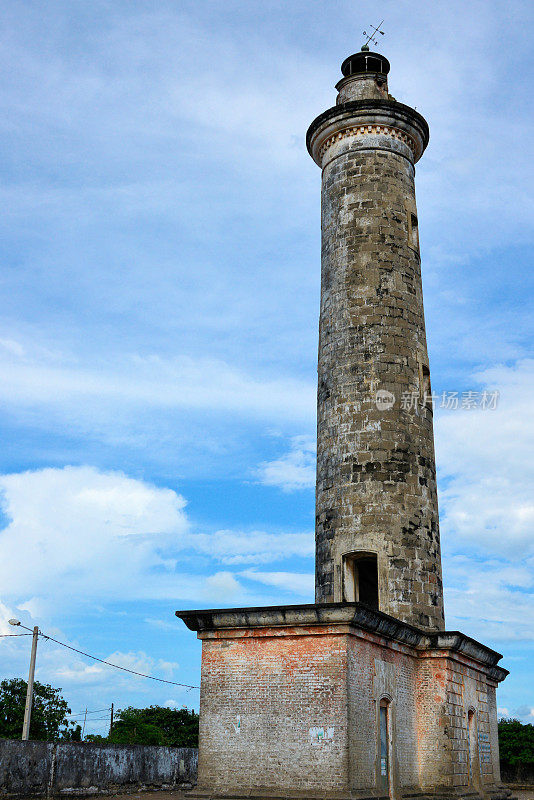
520, 794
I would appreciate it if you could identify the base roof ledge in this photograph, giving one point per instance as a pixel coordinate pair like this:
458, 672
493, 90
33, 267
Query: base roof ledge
355, 615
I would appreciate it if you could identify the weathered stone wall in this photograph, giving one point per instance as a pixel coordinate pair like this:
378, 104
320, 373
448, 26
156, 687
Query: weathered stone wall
48, 768
376, 482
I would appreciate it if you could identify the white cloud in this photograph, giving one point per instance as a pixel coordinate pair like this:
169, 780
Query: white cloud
486, 509
295, 582
7, 613
225, 585
254, 547
523, 713
100, 395
79, 533
12, 347
98, 536
156, 622
64, 667
491, 600
173, 704
485, 458
295, 470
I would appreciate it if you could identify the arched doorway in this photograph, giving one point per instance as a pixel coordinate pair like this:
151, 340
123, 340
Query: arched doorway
384, 746
472, 741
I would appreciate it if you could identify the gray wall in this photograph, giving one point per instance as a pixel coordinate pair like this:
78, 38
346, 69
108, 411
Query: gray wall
36, 768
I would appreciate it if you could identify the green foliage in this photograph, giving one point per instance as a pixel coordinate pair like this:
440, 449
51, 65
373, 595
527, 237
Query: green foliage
156, 725
73, 734
49, 711
516, 743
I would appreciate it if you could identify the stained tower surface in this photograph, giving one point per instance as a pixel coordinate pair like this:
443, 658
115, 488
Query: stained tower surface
362, 694
377, 534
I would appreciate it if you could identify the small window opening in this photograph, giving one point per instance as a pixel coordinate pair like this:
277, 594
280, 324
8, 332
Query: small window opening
384, 747
426, 390
360, 579
413, 231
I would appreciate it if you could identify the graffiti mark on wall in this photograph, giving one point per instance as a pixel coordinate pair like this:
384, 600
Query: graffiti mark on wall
320, 736
484, 748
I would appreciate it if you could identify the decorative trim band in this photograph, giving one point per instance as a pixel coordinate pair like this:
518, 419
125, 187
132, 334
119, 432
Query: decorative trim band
360, 130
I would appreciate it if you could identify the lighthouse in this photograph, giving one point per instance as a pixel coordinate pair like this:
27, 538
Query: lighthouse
377, 533
362, 694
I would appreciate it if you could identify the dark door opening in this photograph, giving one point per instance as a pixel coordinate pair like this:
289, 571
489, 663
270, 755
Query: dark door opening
360, 578
384, 746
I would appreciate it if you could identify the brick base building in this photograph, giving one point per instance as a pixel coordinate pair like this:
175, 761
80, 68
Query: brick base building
341, 701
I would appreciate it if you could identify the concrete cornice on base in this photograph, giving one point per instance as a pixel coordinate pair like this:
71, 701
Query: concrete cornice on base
343, 615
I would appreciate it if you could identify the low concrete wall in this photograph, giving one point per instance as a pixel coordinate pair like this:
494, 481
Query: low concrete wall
62, 768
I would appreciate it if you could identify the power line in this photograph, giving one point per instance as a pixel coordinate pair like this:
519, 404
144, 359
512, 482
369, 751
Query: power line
82, 713
5, 635
124, 669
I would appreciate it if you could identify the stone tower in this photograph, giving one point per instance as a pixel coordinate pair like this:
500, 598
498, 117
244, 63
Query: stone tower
377, 534
362, 694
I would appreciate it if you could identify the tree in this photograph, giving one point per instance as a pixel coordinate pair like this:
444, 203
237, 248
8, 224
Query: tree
73, 734
49, 711
156, 725
516, 743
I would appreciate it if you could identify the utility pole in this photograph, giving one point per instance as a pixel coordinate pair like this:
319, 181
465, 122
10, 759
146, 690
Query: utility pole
111, 720
29, 693
84, 721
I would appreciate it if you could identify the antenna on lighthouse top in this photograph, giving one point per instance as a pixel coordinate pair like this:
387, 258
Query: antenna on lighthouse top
371, 36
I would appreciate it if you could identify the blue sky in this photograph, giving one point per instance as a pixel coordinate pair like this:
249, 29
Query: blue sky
159, 292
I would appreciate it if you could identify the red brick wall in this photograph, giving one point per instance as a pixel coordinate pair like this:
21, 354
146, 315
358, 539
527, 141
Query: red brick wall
447, 689
375, 672
261, 698
297, 709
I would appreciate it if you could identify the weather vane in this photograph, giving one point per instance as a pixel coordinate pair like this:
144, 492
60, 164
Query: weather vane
371, 36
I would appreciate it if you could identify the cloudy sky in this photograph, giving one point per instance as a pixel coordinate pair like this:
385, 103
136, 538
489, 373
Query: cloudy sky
158, 336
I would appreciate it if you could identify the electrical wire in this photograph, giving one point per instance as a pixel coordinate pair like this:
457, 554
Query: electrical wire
5, 635
124, 669
83, 713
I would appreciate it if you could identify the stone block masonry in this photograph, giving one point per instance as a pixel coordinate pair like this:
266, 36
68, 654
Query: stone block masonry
376, 475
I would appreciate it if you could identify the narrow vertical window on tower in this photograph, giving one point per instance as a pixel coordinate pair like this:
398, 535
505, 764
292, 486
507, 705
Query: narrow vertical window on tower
413, 229
425, 389
360, 579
